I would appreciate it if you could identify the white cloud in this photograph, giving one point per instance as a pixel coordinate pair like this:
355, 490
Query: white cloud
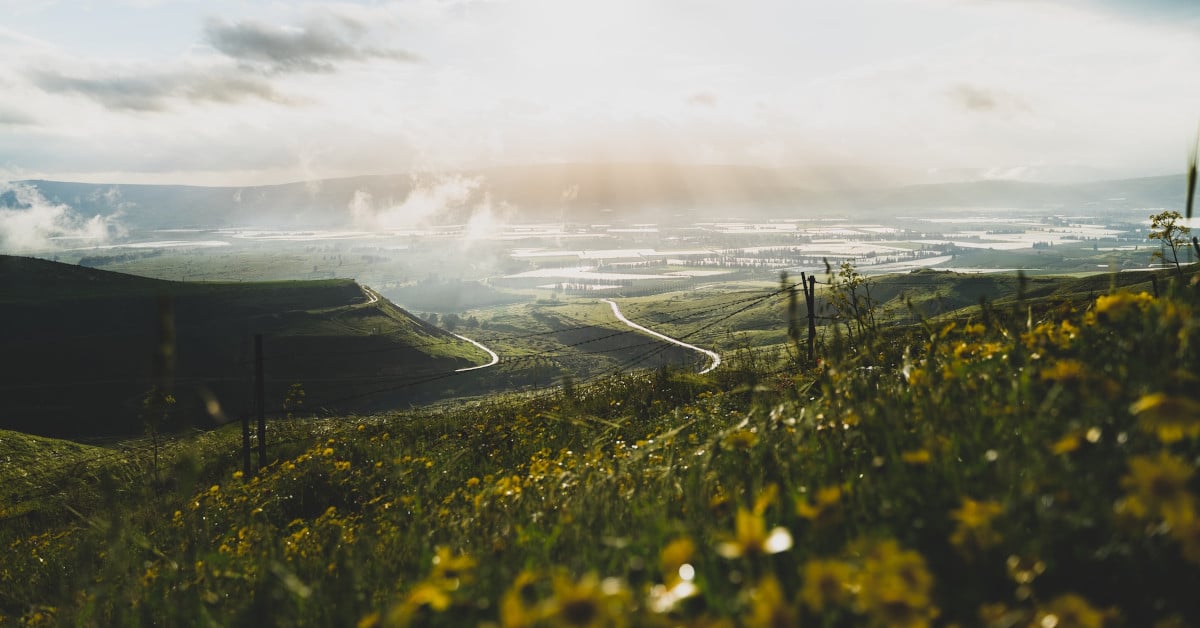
30, 223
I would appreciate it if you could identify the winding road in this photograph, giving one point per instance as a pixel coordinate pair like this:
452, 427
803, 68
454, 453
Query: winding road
712, 355
495, 358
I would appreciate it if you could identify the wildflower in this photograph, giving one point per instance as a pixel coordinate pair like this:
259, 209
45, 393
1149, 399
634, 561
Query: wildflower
919, 457
1066, 444
741, 439
1158, 487
587, 602
895, 586
1171, 418
826, 505
768, 606
1069, 610
675, 555
449, 569
518, 606
826, 583
974, 529
1064, 371
752, 539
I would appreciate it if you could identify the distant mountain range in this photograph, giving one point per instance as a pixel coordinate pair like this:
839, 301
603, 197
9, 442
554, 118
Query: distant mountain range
578, 193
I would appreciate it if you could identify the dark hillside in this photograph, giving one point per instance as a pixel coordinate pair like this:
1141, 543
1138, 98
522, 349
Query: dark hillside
80, 347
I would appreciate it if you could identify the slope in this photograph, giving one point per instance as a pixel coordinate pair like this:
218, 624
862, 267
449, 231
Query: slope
81, 348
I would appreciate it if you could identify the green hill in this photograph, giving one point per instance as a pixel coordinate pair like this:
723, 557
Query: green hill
80, 348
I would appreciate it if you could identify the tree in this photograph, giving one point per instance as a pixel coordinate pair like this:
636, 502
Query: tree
1168, 226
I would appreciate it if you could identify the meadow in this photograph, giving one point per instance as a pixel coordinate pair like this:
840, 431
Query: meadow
1030, 461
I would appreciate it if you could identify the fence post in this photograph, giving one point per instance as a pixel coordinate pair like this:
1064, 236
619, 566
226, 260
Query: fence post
810, 299
260, 400
246, 444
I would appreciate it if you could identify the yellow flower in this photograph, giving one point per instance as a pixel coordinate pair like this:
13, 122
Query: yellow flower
587, 602
741, 439
1114, 307
752, 539
895, 586
518, 606
825, 508
1066, 444
1172, 418
449, 569
974, 529
768, 606
1158, 487
676, 554
919, 457
1069, 610
826, 583
1064, 371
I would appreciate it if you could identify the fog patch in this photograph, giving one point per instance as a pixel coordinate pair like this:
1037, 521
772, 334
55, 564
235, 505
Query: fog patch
427, 203
29, 222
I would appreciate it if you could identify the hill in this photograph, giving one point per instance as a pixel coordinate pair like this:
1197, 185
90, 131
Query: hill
81, 347
1038, 468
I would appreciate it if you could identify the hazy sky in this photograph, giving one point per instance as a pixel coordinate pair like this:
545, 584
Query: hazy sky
239, 92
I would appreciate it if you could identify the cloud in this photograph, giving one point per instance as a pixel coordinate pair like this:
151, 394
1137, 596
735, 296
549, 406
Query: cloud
983, 100
28, 222
316, 47
155, 91
12, 117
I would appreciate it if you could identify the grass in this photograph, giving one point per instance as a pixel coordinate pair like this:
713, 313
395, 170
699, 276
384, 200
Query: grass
1001, 468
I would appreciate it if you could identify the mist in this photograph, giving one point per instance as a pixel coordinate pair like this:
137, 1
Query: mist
30, 223
427, 202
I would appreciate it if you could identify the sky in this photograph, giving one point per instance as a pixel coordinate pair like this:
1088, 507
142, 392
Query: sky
232, 92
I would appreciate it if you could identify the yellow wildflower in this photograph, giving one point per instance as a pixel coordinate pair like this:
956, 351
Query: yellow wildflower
1064, 371
826, 583
919, 457
974, 530
587, 602
769, 607
518, 607
895, 586
449, 569
826, 505
675, 555
1158, 487
741, 439
1171, 418
752, 539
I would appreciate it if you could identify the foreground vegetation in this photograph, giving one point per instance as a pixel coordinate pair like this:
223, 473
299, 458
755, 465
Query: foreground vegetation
1025, 464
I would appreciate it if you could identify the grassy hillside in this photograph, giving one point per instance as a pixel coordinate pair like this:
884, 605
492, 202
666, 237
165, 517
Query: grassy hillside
81, 348
1001, 469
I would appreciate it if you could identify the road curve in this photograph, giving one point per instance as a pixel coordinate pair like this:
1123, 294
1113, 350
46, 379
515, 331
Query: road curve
495, 358
372, 296
712, 355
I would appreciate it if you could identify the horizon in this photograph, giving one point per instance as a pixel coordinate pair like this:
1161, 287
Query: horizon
226, 94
